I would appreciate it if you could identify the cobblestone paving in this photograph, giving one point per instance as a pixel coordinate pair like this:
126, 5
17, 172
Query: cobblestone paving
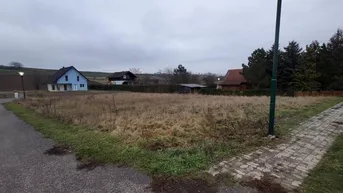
290, 162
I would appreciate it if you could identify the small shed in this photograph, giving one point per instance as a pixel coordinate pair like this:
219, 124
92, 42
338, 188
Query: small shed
190, 88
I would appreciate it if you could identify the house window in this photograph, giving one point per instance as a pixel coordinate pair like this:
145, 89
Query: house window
65, 87
66, 78
82, 85
78, 78
53, 87
124, 76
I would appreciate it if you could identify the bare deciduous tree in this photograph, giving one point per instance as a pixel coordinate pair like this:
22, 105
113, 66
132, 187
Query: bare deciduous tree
209, 79
135, 70
16, 64
167, 75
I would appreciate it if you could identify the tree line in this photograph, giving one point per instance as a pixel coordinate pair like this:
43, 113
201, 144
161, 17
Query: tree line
180, 75
173, 76
316, 67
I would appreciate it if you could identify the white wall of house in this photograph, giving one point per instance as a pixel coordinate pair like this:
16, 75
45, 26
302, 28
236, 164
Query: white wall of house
50, 88
59, 87
118, 82
74, 78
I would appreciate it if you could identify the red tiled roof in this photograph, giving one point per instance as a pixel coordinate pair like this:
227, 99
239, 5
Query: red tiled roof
234, 77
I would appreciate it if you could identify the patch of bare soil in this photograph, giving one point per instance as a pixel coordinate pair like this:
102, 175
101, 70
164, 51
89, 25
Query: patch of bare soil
265, 185
337, 107
58, 150
182, 185
88, 165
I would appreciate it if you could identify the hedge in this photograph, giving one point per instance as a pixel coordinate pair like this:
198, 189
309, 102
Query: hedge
264, 92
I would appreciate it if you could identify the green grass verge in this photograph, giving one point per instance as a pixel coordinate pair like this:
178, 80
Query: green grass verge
101, 147
286, 120
327, 177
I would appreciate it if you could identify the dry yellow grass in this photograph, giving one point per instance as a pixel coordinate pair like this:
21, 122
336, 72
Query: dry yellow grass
157, 121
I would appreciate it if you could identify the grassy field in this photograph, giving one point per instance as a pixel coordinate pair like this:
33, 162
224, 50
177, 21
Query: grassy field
327, 177
163, 133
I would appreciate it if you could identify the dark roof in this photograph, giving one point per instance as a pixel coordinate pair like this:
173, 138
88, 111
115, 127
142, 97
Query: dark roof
234, 77
61, 72
120, 74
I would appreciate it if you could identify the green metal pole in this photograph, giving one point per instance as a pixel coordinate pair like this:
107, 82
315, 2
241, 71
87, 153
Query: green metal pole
271, 130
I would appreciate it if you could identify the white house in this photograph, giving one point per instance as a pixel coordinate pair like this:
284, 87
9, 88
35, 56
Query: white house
68, 79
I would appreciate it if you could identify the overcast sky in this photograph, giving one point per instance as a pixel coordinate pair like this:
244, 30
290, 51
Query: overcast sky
114, 35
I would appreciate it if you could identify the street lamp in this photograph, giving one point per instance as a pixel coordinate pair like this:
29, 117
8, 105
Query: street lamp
22, 82
271, 130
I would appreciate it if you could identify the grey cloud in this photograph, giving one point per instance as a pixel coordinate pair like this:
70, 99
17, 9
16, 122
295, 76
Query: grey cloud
116, 35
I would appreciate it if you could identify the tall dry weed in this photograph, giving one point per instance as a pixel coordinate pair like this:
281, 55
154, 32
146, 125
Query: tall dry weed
158, 121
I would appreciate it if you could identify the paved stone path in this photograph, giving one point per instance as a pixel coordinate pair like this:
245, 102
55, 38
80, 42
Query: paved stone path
290, 162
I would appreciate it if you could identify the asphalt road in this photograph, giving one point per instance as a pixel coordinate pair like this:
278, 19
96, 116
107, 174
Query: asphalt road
24, 168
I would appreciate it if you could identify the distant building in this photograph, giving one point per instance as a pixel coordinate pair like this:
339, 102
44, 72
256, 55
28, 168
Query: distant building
190, 88
68, 79
122, 78
234, 80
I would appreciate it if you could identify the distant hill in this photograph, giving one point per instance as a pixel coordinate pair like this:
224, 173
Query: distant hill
98, 77
7, 70
95, 77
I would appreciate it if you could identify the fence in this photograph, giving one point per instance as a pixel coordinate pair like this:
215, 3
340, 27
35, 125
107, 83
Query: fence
138, 88
176, 89
6, 95
319, 93
252, 92
213, 91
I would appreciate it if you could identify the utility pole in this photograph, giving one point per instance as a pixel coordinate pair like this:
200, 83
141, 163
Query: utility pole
271, 130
